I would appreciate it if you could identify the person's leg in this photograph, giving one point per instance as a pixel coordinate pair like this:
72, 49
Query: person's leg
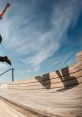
4, 9
5, 59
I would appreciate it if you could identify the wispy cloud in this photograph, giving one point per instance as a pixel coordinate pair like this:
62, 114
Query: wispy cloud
24, 32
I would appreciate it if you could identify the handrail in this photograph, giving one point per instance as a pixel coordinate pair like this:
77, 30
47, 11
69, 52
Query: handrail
12, 69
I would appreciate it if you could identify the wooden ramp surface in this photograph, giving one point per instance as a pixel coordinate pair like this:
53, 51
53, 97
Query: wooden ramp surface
8, 111
51, 103
56, 94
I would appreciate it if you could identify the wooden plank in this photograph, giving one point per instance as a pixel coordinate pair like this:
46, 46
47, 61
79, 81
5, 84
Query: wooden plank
52, 85
79, 59
43, 78
65, 103
79, 54
73, 71
49, 81
70, 69
7, 111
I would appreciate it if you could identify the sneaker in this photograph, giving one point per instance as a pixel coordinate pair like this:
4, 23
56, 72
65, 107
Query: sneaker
7, 60
8, 4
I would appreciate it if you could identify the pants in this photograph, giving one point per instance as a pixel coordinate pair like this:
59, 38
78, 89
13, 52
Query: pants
2, 59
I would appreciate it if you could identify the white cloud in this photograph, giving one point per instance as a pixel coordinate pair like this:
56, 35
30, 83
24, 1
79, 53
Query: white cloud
21, 34
62, 17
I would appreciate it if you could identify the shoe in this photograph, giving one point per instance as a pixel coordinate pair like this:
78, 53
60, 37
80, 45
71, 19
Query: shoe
7, 60
8, 4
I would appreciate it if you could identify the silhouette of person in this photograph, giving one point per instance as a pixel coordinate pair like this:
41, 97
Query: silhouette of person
4, 58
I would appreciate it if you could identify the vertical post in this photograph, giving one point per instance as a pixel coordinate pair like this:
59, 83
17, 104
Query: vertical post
12, 74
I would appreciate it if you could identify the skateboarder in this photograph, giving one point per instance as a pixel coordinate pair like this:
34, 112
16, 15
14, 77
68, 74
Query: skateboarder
4, 58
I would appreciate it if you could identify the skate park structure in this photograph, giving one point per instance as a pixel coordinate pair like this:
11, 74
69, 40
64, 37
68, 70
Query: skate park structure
55, 94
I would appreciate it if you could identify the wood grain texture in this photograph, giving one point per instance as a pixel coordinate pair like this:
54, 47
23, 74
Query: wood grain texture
55, 94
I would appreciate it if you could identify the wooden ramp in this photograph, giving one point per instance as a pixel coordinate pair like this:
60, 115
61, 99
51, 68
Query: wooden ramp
56, 94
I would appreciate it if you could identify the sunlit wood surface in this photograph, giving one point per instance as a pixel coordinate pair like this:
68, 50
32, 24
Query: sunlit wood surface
8, 111
56, 94
64, 103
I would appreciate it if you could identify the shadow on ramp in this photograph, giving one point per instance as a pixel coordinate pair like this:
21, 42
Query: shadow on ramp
67, 80
44, 81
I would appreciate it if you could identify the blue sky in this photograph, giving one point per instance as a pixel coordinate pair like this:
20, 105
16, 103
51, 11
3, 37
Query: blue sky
40, 36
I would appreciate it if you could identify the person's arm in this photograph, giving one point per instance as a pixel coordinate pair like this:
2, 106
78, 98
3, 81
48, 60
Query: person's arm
4, 9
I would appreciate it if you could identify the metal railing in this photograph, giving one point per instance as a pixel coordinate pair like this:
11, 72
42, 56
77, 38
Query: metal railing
12, 70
